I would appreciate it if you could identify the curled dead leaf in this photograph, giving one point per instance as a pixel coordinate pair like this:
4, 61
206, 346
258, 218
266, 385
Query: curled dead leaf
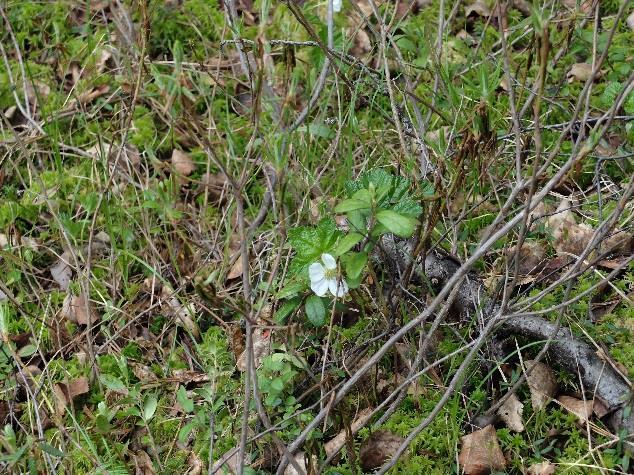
378, 449
478, 8
481, 453
79, 309
335, 444
581, 409
542, 468
61, 271
65, 393
511, 413
300, 461
182, 162
581, 72
236, 269
261, 348
541, 382
532, 257
184, 313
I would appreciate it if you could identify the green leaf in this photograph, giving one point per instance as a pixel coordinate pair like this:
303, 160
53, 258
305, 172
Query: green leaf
111, 382
182, 398
351, 204
277, 385
402, 226
355, 264
149, 407
347, 243
292, 288
311, 242
285, 310
27, 350
315, 311
49, 449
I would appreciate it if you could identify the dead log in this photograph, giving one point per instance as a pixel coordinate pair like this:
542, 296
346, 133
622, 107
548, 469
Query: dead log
570, 352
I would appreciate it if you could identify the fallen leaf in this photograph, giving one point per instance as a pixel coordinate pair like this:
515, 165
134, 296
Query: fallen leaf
361, 45
568, 236
195, 464
87, 97
335, 444
511, 413
585, 6
581, 409
532, 257
142, 463
184, 313
61, 271
478, 8
581, 72
182, 162
65, 393
300, 460
542, 468
541, 382
236, 269
481, 453
378, 449
261, 348
630, 21
15, 242
78, 309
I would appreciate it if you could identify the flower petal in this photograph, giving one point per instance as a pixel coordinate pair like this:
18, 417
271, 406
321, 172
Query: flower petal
341, 289
338, 288
320, 287
329, 261
316, 271
332, 286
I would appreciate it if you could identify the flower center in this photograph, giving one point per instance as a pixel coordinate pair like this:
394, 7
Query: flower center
330, 274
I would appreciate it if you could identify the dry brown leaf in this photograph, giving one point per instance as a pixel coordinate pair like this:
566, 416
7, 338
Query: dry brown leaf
478, 8
532, 256
511, 413
335, 444
195, 464
61, 271
481, 453
361, 45
568, 236
541, 382
13, 241
78, 309
182, 162
585, 6
236, 269
378, 449
581, 409
104, 57
184, 314
300, 460
88, 96
542, 468
581, 72
261, 348
65, 393
142, 463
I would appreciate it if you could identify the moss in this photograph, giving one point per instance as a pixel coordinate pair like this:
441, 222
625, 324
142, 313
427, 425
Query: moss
192, 23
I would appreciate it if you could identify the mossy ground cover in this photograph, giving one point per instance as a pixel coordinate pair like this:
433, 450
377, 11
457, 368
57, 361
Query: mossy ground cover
122, 296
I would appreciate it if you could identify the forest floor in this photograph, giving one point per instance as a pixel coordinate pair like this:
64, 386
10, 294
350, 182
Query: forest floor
192, 201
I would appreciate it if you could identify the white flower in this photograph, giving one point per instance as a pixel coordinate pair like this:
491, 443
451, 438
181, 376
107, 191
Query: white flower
323, 277
336, 6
